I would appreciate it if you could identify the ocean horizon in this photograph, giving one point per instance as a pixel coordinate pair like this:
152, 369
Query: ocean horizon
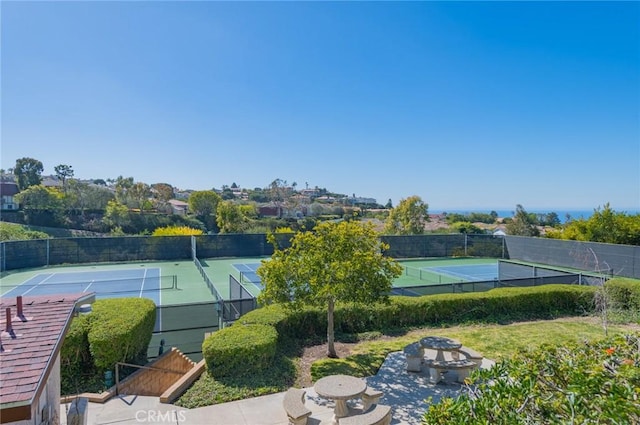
563, 213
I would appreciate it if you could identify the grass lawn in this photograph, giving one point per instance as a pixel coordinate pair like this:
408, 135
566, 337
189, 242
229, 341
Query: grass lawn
494, 341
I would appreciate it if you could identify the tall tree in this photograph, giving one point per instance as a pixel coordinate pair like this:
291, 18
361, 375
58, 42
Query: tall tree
203, 204
63, 172
336, 262
28, 172
230, 218
522, 224
408, 217
139, 195
122, 189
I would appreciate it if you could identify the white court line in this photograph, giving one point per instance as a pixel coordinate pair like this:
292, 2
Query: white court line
37, 284
144, 276
159, 300
90, 283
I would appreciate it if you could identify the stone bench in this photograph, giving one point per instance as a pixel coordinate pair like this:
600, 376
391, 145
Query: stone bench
293, 404
370, 397
379, 415
462, 367
415, 356
469, 354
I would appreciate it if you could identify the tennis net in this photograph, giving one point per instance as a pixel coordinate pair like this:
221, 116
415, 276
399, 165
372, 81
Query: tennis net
105, 286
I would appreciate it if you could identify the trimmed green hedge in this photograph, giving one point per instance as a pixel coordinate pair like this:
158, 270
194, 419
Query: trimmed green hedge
121, 330
497, 305
240, 350
625, 293
250, 344
117, 330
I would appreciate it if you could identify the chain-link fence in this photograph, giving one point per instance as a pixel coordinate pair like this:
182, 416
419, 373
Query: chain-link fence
610, 259
619, 260
452, 245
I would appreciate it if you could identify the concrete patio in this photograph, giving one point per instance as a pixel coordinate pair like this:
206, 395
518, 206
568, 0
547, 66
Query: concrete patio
404, 391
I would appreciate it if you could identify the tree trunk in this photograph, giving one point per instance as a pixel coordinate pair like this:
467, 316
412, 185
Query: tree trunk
331, 349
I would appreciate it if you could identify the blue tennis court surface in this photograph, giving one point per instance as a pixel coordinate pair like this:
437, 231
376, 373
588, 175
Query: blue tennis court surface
248, 273
469, 272
105, 284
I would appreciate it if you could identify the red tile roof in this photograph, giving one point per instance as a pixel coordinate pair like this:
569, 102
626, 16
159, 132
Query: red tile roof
28, 350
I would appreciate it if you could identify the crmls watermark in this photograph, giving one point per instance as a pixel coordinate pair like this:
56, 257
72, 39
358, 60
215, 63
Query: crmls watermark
159, 417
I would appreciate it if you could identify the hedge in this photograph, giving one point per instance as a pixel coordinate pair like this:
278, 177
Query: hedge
496, 305
117, 329
249, 345
121, 330
625, 293
240, 350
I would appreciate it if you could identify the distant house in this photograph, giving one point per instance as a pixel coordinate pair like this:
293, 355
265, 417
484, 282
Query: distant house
7, 191
178, 207
51, 181
33, 330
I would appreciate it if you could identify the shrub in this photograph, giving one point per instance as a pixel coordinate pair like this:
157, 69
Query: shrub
120, 330
177, 231
75, 356
497, 305
589, 382
240, 350
625, 293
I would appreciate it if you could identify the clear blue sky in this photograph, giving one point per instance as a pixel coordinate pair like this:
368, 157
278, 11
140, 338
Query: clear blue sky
480, 105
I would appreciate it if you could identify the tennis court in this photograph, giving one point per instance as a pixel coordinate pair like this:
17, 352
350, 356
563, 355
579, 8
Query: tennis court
144, 283
248, 273
469, 272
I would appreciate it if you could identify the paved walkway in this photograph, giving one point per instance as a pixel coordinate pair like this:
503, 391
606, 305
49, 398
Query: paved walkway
404, 391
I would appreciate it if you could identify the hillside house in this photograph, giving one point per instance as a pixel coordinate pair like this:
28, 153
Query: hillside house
7, 192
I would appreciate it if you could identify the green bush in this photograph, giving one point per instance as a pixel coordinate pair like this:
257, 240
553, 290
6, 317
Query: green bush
240, 350
625, 293
75, 356
497, 305
120, 330
589, 382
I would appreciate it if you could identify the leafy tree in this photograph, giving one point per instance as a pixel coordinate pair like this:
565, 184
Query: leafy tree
522, 223
122, 189
162, 191
28, 172
230, 217
42, 205
63, 172
227, 194
389, 204
408, 218
336, 262
467, 227
116, 215
258, 195
139, 195
605, 225
203, 204
81, 196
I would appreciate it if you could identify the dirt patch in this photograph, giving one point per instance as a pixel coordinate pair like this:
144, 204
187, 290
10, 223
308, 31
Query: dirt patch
317, 352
